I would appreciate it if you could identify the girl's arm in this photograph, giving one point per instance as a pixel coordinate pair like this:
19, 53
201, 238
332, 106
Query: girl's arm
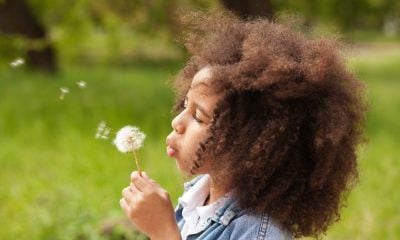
149, 207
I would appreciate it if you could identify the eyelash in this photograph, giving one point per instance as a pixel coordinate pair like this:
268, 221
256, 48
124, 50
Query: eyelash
195, 117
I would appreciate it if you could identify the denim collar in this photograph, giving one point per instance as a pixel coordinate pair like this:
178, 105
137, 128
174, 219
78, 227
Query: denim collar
224, 214
227, 212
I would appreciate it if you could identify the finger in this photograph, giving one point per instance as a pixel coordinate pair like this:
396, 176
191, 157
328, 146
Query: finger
135, 191
156, 187
141, 183
124, 205
128, 195
144, 174
150, 180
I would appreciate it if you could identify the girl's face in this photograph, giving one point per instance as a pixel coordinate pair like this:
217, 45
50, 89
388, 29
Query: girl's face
191, 125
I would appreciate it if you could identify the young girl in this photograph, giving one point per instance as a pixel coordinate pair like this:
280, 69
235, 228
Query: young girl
269, 120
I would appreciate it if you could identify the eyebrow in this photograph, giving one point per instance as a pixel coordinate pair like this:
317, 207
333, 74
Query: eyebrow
198, 84
201, 109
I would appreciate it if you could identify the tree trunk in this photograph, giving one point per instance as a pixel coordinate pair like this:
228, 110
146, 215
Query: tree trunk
17, 18
250, 8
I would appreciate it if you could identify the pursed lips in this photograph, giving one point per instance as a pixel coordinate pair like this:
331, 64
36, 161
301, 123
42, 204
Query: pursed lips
171, 149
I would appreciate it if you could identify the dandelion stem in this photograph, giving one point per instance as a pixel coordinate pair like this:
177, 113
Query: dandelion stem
137, 163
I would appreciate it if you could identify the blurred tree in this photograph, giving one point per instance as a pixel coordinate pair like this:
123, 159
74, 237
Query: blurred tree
249, 8
119, 31
347, 16
16, 18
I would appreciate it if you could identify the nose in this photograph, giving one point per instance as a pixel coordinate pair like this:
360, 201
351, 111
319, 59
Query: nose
178, 123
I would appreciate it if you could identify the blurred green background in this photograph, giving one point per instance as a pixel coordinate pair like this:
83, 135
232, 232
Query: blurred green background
59, 182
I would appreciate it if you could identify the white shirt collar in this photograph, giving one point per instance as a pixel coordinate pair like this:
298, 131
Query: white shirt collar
196, 195
196, 215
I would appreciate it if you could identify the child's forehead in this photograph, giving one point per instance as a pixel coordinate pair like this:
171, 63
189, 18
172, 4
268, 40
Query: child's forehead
201, 83
200, 90
202, 76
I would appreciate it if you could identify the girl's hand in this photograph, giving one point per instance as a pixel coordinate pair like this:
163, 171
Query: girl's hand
149, 207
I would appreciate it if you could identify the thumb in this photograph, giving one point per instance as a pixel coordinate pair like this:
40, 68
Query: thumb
146, 176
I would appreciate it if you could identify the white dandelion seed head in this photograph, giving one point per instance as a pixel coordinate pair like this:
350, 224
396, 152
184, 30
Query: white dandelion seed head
81, 84
17, 62
129, 139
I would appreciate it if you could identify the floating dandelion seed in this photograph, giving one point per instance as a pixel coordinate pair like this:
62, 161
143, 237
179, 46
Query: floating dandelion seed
81, 84
130, 139
102, 131
105, 133
64, 91
17, 62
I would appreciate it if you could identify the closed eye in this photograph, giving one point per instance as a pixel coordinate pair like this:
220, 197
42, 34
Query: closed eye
197, 119
196, 116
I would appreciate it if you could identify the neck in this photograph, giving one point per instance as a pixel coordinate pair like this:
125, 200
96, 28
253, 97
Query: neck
217, 190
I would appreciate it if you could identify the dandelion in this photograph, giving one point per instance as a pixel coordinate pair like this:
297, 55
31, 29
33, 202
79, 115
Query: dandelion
17, 62
64, 91
102, 131
130, 139
81, 84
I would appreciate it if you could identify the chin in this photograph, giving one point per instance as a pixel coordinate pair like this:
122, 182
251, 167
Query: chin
183, 170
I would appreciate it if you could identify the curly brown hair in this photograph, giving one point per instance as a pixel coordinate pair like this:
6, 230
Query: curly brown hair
286, 131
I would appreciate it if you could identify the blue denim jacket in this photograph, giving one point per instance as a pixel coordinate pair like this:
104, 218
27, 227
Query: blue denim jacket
231, 222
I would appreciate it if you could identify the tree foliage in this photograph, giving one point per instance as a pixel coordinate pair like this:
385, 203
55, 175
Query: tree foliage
345, 15
104, 31
18, 20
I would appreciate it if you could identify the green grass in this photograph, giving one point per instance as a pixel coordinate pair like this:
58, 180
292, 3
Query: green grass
59, 182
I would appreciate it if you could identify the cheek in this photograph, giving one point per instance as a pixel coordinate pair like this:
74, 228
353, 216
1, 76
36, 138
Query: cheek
188, 155
194, 135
